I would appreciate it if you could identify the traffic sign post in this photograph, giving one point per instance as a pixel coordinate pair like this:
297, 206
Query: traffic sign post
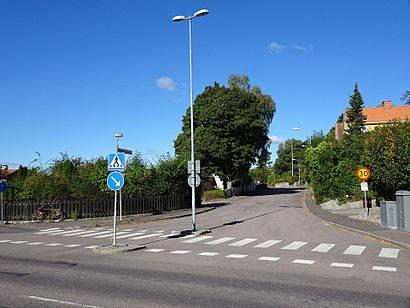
116, 162
363, 173
115, 181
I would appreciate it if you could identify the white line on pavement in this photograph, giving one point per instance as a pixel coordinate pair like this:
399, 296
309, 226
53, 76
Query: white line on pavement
323, 248
19, 242
181, 252
5, 241
53, 245
90, 247
49, 229
354, 250
155, 250
243, 242
272, 259
96, 233
44, 299
235, 256
305, 262
79, 233
35, 243
108, 235
345, 265
220, 241
383, 268
391, 253
144, 236
294, 245
268, 244
198, 239
73, 245
208, 254
129, 235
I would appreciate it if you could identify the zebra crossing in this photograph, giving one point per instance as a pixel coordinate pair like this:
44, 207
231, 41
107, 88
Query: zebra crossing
255, 244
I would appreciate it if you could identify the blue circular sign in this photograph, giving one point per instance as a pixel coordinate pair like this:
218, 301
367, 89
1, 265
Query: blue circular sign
115, 181
3, 186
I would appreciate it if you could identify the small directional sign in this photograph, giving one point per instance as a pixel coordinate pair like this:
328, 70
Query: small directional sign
192, 179
115, 181
197, 166
116, 162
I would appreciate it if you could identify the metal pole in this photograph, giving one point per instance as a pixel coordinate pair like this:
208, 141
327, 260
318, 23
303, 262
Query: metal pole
120, 206
291, 148
299, 172
192, 126
2, 208
365, 203
114, 242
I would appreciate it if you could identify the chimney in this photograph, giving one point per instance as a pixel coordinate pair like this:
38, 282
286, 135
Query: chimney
387, 104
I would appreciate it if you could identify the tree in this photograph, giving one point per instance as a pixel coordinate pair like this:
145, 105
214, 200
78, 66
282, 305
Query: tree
355, 116
230, 129
406, 98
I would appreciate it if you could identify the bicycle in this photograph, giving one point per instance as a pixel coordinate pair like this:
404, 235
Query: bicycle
50, 214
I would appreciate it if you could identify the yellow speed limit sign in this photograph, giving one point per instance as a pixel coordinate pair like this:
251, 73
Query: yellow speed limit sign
363, 173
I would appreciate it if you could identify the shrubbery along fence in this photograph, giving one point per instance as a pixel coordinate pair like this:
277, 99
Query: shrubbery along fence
14, 211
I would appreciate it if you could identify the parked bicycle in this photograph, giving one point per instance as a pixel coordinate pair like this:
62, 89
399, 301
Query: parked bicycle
50, 214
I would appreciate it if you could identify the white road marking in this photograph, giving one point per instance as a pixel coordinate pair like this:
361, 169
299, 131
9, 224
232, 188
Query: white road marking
220, 241
272, 259
391, 253
294, 245
198, 239
128, 230
53, 245
208, 254
155, 250
96, 233
44, 299
180, 252
235, 256
44, 230
73, 245
345, 265
5, 241
243, 242
162, 231
305, 262
65, 232
268, 244
18, 242
354, 250
90, 247
35, 243
79, 233
144, 236
384, 269
129, 235
49, 231
108, 235
323, 248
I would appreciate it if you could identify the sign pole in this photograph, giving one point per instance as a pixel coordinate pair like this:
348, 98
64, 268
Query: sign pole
365, 202
2, 208
114, 243
120, 206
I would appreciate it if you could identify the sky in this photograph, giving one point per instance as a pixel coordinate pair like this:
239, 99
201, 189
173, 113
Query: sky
74, 72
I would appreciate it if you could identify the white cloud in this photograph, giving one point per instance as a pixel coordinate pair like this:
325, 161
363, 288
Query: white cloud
275, 47
277, 139
166, 83
299, 47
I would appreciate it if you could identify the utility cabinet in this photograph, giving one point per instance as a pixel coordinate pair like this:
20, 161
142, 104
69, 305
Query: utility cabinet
403, 209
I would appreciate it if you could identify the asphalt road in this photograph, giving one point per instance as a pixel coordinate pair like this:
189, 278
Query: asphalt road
263, 251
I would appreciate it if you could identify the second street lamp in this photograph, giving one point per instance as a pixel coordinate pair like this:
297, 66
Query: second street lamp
177, 18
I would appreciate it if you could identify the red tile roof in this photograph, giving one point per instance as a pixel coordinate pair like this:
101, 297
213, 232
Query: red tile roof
386, 113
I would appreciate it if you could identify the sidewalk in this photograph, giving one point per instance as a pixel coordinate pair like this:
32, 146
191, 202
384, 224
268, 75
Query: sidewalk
395, 237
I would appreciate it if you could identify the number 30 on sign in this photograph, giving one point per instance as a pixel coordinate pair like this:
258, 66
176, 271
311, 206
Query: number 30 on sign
363, 173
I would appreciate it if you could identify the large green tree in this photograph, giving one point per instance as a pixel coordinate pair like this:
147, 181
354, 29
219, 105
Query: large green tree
406, 98
230, 128
355, 116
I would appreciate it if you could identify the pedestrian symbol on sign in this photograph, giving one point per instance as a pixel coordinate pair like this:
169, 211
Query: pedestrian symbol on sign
116, 162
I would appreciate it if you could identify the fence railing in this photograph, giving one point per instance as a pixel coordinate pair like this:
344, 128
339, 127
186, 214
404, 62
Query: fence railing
15, 211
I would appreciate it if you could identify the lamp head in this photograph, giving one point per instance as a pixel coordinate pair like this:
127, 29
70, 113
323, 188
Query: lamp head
178, 18
202, 12
119, 135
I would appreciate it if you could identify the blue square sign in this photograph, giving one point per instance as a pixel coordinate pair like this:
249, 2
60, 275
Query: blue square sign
116, 162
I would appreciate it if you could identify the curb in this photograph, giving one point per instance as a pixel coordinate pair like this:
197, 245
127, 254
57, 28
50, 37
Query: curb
110, 249
371, 235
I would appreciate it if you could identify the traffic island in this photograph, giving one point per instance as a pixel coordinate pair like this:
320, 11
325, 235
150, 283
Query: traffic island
111, 249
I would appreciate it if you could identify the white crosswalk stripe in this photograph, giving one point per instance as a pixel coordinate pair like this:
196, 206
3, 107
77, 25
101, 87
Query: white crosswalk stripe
49, 231
301, 261
129, 235
155, 250
44, 230
144, 236
268, 244
18, 242
294, 245
243, 242
53, 245
345, 265
272, 259
391, 253
110, 234
180, 252
220, 241
35, 243
354, 250
236, 256
72, 245
66, 232
5, 241
208, 254
80, 233
198, 239
384, 268
95, 233
323, 248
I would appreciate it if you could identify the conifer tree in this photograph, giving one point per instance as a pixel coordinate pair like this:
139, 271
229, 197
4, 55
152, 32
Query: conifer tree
355, 116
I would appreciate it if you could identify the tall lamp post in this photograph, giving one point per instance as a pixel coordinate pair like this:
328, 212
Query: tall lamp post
291, 145
178, 18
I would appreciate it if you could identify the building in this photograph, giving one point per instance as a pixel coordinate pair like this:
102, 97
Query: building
376, 116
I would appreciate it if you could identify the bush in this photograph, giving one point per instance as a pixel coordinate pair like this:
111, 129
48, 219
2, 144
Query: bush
213, 195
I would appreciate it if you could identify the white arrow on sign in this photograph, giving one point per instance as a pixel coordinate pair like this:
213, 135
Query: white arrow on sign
117, 183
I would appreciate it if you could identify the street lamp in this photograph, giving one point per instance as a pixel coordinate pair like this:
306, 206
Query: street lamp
178, 18
291, 145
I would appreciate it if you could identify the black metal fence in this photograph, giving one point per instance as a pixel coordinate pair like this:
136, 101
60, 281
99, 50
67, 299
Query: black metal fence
14, 211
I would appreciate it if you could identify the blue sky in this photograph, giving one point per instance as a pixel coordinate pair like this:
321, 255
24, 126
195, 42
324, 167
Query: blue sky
73, 72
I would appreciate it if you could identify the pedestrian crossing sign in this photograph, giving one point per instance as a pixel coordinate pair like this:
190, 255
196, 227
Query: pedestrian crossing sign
116, 162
